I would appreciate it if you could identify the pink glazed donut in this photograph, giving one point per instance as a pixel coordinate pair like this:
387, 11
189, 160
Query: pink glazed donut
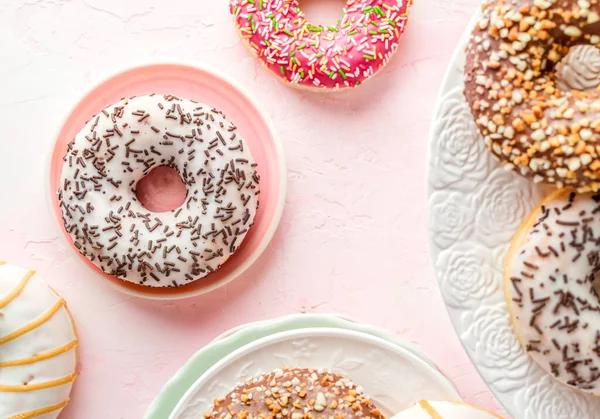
322, 57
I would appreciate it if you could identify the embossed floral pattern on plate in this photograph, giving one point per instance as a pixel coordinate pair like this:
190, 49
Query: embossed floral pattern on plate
474, 208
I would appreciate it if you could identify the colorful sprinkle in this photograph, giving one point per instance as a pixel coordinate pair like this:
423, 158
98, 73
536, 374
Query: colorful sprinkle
310, 55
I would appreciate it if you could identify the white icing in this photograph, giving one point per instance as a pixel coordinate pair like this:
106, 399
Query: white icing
579, 69
445, 410
555, 308
193, 139
30, 304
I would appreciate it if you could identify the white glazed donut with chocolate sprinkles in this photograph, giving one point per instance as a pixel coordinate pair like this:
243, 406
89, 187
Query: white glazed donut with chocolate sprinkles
549, 274
118, 148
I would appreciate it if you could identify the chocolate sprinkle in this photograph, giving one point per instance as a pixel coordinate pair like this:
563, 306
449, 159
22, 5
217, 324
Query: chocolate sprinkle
552, 292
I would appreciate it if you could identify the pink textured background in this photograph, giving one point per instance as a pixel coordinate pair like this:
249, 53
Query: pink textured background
353, 238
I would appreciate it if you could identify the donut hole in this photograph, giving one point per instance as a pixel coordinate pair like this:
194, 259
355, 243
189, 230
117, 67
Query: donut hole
162, 190
323, 12
579, 69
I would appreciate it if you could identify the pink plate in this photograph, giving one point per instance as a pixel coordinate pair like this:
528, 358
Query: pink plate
207, 87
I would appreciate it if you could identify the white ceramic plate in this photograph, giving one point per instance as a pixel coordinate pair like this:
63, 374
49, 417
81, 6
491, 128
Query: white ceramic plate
394, 377
174, 390
474, 208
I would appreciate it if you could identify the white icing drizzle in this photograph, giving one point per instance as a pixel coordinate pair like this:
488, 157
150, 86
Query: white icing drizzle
549, 289
38, 347
579, 69
118, 148
445, 410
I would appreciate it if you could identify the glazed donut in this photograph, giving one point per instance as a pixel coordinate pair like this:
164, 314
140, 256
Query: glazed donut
38, 347
548, 281
322, 57
119, 147
445, 410
526, 119
295, 393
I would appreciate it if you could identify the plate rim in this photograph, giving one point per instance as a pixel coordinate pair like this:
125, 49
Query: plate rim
281, 164
310, 332
444, 88
163, 405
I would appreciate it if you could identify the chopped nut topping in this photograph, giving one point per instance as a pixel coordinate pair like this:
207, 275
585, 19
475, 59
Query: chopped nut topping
295, 394
520, 110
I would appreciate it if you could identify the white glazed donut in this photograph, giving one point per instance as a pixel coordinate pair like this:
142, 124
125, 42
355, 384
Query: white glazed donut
548, 282
118, 148
445, 410
38, 347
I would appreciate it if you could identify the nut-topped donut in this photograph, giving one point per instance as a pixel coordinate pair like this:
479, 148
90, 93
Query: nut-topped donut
526, 118
119, 147
295, 393
549, 286
322, 57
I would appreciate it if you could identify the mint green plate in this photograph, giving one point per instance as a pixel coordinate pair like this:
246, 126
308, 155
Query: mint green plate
205, 358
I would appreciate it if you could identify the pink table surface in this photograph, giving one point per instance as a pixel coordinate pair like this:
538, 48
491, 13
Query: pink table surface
353, 238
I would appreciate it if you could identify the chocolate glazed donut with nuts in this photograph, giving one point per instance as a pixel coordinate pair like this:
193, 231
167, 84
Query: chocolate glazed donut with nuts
295, 393
545, 133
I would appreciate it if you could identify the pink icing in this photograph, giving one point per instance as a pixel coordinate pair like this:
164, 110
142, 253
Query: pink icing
316, 56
